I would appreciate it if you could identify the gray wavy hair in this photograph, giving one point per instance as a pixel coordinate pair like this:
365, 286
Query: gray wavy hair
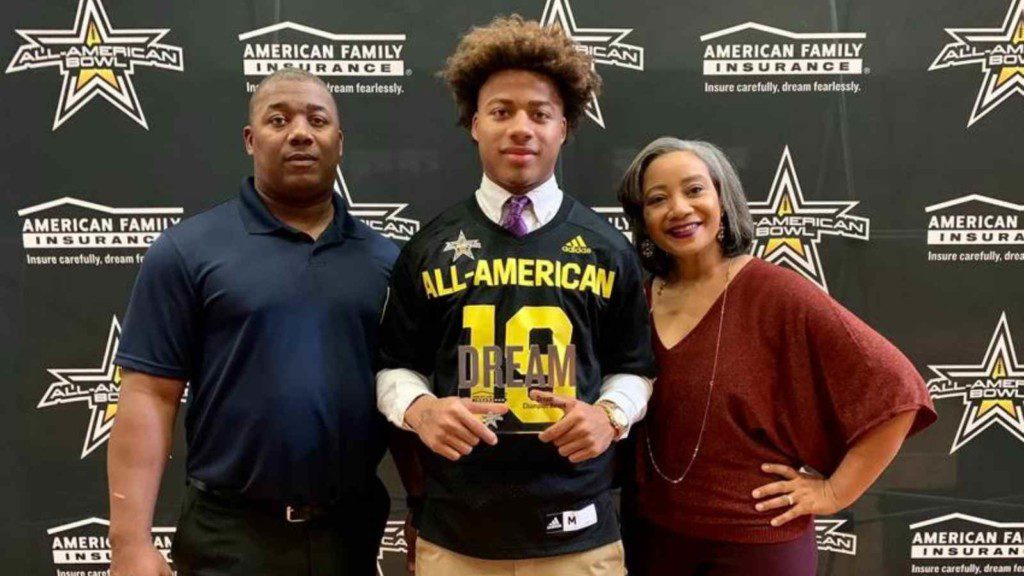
736, 221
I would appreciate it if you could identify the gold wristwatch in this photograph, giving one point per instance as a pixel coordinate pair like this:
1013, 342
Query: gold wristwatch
616, 416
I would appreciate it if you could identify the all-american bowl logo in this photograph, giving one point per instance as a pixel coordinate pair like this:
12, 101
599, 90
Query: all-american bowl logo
975, 228
958, 537
381, 216
95, 59
606, 46
831, 539
69, 231
788, 229
97, 388
991, 391
83, 547
339, 59
1000, 54
753, 49
391, 555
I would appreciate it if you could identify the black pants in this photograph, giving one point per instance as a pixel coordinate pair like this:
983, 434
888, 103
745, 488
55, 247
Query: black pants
217, 537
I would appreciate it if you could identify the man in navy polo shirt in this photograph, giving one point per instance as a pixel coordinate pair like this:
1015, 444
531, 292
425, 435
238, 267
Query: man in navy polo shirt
269, 306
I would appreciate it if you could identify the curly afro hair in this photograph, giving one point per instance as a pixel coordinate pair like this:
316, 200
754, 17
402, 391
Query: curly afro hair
511, 43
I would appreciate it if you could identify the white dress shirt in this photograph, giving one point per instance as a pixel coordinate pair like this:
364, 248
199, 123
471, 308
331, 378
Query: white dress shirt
397, 388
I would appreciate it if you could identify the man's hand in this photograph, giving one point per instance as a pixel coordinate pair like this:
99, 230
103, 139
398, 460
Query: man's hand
584, 432
140, 559
451, 426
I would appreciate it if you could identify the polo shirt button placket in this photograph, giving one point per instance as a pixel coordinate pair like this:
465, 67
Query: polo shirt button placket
316, 259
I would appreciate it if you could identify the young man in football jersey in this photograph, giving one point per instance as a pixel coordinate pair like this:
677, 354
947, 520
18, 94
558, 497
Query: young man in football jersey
516, 342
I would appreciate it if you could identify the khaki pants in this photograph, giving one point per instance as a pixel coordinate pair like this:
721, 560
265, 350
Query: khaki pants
433, 560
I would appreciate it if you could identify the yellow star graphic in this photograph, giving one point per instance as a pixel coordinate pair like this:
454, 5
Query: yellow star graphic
998, 372
1008, 72
773, 244
93, 38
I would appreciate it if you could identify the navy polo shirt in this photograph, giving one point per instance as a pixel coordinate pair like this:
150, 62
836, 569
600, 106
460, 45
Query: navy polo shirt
276, 334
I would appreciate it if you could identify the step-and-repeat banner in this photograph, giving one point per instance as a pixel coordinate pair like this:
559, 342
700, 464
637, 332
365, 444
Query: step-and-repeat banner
875, 139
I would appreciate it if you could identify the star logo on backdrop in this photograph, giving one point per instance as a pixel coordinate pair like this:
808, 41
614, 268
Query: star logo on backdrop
788, 229
830, 539
95, 59
462, 247
381, 216
392, 541
992, 391
97, 388
999, 51
605, 45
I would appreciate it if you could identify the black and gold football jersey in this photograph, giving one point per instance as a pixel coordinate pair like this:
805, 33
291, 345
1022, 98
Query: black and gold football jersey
489, 316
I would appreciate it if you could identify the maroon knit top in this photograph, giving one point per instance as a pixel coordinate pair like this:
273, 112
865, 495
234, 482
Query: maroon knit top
800, 378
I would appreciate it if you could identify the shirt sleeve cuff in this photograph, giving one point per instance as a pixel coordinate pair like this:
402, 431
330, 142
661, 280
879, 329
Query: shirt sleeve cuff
630, 393
397, 389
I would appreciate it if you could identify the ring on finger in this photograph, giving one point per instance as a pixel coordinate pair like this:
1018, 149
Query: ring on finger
789, 499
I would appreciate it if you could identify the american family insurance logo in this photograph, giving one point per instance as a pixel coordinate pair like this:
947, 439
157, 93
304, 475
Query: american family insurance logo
381, 216
975, 228
369, 64
958, 537
83, 547
95, 59
788, 228
1000, 54
991, 391
616, 216
605, 45
68, 232
785, 59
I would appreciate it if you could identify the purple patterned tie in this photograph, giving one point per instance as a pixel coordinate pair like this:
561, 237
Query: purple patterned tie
512, 218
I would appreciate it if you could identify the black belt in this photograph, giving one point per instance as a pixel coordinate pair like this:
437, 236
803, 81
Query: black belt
294, 513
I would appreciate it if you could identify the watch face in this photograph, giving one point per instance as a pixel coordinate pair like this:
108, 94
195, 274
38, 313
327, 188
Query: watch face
619, 418
616, 415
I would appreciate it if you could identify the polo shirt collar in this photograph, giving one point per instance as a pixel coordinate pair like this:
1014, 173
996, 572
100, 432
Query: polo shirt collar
258, 219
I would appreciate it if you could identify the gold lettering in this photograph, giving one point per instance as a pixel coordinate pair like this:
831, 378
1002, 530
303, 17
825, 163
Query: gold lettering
543, 273
562, 371
525, 272
605, 281
442, 290
457, 284
505, 271
428, 286
482, 276
587, 283
566, 282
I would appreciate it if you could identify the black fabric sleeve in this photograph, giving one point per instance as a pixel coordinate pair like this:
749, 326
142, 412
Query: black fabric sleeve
406, 336
625, 339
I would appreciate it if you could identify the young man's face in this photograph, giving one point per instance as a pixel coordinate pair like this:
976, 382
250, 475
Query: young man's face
519, 128
294, 139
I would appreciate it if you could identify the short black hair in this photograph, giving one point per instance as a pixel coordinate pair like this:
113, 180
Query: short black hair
288, 74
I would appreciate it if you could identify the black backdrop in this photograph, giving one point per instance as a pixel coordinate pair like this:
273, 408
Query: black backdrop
858, 128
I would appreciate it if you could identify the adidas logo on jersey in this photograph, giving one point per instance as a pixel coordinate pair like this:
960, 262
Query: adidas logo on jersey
554, 524
576, 246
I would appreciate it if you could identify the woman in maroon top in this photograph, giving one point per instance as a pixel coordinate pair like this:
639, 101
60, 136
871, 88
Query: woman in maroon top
763, 381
